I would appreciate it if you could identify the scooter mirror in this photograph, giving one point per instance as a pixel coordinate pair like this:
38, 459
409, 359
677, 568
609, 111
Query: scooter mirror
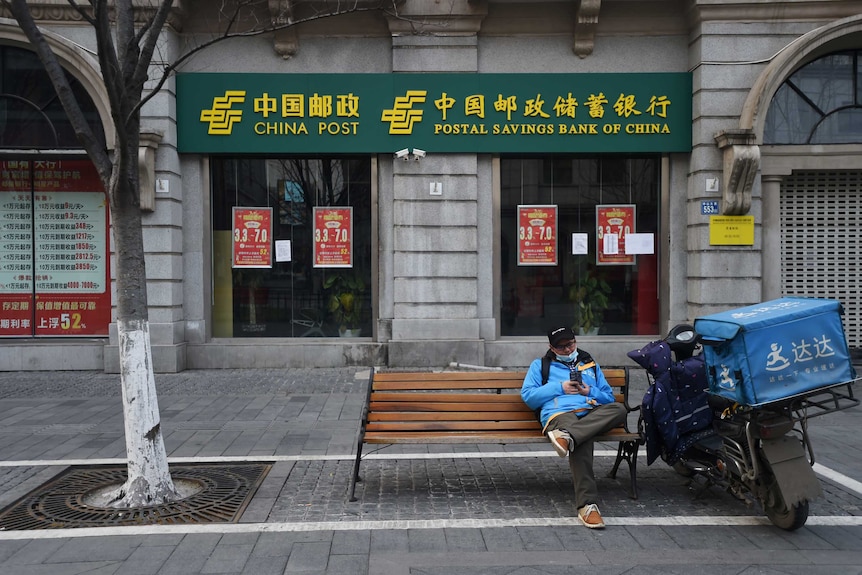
683, 340
687, 335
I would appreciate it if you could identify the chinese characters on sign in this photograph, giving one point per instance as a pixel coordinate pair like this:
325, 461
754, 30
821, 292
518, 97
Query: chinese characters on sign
252, 237
731, 230
54, 260
16, 251
537, 235
333, 237
613, 224
440, 112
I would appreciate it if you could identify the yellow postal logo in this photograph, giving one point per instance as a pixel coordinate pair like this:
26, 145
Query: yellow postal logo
220, 117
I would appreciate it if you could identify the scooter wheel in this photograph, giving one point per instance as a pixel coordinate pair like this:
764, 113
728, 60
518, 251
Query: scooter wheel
788, 518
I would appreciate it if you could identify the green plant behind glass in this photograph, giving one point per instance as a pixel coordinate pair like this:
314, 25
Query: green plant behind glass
345, 306
591, 300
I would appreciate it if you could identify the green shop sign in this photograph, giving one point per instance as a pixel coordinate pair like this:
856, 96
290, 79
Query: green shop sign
383, 113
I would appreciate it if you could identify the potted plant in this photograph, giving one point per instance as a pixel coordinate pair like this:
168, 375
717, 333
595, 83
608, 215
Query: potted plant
344, 304
590, 295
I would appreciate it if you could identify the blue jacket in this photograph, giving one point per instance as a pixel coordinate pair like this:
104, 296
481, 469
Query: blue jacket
550, 397
674, 408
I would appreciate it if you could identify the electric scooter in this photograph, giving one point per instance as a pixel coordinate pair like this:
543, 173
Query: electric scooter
758, 453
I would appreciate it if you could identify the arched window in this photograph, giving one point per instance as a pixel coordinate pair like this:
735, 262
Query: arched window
31, 116
55, 255
820, 103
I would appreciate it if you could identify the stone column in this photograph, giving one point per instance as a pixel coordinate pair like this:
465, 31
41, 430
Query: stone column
771, 229
432, 261
723, 276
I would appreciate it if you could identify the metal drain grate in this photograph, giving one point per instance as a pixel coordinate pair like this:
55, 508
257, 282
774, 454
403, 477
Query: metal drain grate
226, 490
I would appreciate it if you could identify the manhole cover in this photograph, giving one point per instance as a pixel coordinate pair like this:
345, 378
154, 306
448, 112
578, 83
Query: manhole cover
225, 491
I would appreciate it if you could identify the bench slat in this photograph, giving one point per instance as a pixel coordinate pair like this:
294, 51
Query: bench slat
455, 414
443, 384
443, 397
468, 380
453, 385
471, 375
433, 425
475, 376
454, 437
409, 406
443, 437
447, 425
452, 416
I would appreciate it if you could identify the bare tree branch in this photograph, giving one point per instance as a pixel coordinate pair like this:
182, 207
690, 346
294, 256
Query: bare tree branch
156, 24
84, 14
389, 7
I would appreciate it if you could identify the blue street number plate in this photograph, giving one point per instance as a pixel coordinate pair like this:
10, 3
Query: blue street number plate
709, 207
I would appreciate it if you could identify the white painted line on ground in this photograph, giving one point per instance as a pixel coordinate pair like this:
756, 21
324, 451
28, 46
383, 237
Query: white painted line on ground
225, 528
277, 458
839, 478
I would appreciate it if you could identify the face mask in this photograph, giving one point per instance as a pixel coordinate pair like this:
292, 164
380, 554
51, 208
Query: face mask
568, 358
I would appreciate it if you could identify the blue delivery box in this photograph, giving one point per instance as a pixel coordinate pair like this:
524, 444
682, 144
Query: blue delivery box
776, 349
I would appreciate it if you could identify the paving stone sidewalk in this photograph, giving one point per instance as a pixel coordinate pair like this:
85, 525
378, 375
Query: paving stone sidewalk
440, 515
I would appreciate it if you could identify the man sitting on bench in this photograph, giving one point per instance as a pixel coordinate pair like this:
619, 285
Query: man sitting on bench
574, 403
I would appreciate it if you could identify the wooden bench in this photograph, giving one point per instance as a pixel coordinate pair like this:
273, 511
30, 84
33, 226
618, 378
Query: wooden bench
471, 407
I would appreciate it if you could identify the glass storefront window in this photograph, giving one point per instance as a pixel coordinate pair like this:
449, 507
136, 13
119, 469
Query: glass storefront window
621, 292
292, 298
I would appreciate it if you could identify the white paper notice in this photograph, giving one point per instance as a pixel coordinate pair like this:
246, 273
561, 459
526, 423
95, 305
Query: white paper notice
640, 243
611, 244
282, 250
579, 245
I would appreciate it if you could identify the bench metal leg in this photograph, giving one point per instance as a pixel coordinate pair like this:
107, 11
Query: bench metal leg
355, 476
628, 451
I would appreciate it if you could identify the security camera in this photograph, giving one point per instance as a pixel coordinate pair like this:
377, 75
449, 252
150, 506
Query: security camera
418, 154
403, 154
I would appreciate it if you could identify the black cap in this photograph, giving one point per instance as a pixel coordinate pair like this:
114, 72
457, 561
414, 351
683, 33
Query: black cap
558, 334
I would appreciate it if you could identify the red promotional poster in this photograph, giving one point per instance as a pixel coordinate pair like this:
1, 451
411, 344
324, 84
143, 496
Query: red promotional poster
537, 235
613, 224
252, 237
333, 237
54, 254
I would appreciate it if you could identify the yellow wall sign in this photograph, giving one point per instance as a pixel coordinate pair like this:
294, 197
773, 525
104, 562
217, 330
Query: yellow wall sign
731, 230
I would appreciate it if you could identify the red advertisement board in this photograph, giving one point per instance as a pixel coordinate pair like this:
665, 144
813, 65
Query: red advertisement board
252, 237
333, 237
537, 235
613, 223
54, 252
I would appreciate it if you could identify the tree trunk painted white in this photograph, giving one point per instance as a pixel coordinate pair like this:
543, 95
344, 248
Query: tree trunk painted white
149, 481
